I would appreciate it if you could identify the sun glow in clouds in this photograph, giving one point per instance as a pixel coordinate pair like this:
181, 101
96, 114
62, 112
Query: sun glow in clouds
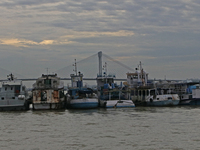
64, 39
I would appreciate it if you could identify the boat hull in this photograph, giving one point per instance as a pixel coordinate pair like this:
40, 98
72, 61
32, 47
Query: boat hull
116, 103
12, 105
83, 103
185, 102
48, 106
195, 101
159, 100
13, 108
163, 103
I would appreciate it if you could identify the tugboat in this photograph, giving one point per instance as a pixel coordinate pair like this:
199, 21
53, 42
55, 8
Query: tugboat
146, 93
80, 97
48, 93
13, 95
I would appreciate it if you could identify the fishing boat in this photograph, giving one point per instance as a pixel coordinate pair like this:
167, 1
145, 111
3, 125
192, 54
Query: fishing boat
110, 95
189, 93
48, 93
145, 93
161, 97
114, 98
80, 97
13, 95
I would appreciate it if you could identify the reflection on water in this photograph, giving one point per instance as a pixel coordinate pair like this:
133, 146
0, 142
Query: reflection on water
124, 128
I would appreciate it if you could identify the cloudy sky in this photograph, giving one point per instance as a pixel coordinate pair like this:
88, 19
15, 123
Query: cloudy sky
40, 34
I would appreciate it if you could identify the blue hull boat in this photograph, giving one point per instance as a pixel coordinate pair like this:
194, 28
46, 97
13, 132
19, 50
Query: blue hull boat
82, 98
84, 105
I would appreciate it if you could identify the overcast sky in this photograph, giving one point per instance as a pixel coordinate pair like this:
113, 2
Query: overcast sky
40, 34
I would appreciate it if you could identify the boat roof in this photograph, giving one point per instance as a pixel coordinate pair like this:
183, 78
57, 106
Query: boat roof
13, 82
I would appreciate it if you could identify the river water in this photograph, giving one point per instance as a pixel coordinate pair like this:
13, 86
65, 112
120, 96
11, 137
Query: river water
141, 128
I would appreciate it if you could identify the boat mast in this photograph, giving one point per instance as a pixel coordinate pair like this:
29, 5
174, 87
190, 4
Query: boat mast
75, 70
105, 67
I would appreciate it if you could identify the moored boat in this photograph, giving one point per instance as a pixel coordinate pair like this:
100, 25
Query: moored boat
13, 95
48, 93
114, 98
162, 97
145, 93
189, 93
110, 95
80, 97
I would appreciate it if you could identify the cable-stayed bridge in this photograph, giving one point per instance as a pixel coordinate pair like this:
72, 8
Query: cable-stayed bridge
89, 67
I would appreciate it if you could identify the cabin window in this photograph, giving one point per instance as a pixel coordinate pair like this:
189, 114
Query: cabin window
167, 91
17, 89
43, 96
152, 92
143, 93
61, 94
147, 92
136, 92
169, 98
13, 97
47, 82
140, 93
157, 98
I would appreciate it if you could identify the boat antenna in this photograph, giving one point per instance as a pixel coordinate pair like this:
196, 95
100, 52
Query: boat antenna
10, 77
75, 66
140, 65
47, 70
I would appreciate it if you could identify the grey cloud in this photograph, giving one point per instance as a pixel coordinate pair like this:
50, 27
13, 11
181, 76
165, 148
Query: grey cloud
26, 3
162, 28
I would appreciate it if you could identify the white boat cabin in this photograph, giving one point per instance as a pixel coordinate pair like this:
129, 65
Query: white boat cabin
12, 89
138, 78
145, 94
